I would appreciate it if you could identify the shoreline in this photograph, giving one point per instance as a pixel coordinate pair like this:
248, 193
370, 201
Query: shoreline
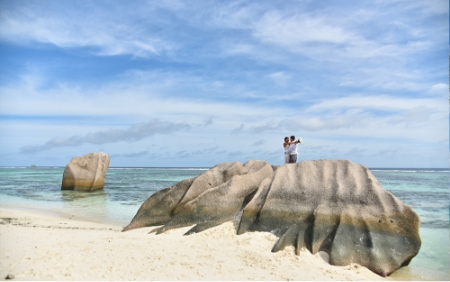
60, 213
82, 250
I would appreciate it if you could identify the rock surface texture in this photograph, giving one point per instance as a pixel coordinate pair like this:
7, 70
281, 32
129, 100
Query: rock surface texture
86, 173
334, 206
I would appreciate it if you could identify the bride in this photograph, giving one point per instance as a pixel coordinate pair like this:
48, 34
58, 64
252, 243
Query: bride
285, 146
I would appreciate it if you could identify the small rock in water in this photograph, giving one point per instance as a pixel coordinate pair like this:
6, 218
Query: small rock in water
86, 173
10, 276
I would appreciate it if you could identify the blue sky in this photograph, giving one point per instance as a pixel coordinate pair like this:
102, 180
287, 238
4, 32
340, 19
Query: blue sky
196, 83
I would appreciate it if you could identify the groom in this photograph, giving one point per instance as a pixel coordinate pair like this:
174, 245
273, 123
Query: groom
292, 151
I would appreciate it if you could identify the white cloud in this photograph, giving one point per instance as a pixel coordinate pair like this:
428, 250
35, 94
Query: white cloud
238, 49
378, 77
383, 103
331, 39
119, 102
300, 29
281, 78
107, 34
326, 123
232, 15
440, 89
143, 94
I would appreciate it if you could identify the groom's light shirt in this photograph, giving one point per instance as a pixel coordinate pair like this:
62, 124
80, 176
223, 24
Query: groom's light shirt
292, 149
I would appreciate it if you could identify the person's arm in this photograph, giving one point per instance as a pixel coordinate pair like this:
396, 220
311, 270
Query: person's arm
290, 149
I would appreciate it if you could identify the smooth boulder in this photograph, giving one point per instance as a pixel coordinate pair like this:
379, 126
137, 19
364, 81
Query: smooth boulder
86, 173
332, 206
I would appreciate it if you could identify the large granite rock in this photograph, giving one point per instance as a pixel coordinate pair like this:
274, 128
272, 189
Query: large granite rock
334, 206
86, 173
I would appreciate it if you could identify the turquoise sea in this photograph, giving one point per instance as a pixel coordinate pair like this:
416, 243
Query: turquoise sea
38, 189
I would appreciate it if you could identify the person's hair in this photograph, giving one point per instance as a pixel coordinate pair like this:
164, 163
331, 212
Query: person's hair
286, 138
292, 137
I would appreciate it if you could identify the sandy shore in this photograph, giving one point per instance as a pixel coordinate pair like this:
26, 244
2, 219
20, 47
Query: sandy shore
42, 247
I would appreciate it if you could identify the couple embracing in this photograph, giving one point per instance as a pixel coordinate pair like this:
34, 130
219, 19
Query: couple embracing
290, 149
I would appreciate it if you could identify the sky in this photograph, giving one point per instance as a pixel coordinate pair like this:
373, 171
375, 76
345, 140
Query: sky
196, 83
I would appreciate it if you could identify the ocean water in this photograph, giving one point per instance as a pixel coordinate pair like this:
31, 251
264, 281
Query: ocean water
426, 190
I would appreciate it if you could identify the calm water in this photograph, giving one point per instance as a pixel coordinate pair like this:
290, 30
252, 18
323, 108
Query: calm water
426, 190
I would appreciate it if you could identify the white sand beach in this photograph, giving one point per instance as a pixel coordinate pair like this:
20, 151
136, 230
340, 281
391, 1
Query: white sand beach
44, 247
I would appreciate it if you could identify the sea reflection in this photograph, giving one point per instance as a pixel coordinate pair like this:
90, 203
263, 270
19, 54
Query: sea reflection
86, 204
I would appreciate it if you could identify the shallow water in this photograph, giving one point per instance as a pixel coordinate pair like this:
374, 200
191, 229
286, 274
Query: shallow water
426, 190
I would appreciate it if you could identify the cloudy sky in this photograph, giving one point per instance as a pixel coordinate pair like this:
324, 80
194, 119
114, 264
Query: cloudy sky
195, 83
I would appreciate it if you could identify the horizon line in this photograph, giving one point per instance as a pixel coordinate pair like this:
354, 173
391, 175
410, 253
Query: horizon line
199, 167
